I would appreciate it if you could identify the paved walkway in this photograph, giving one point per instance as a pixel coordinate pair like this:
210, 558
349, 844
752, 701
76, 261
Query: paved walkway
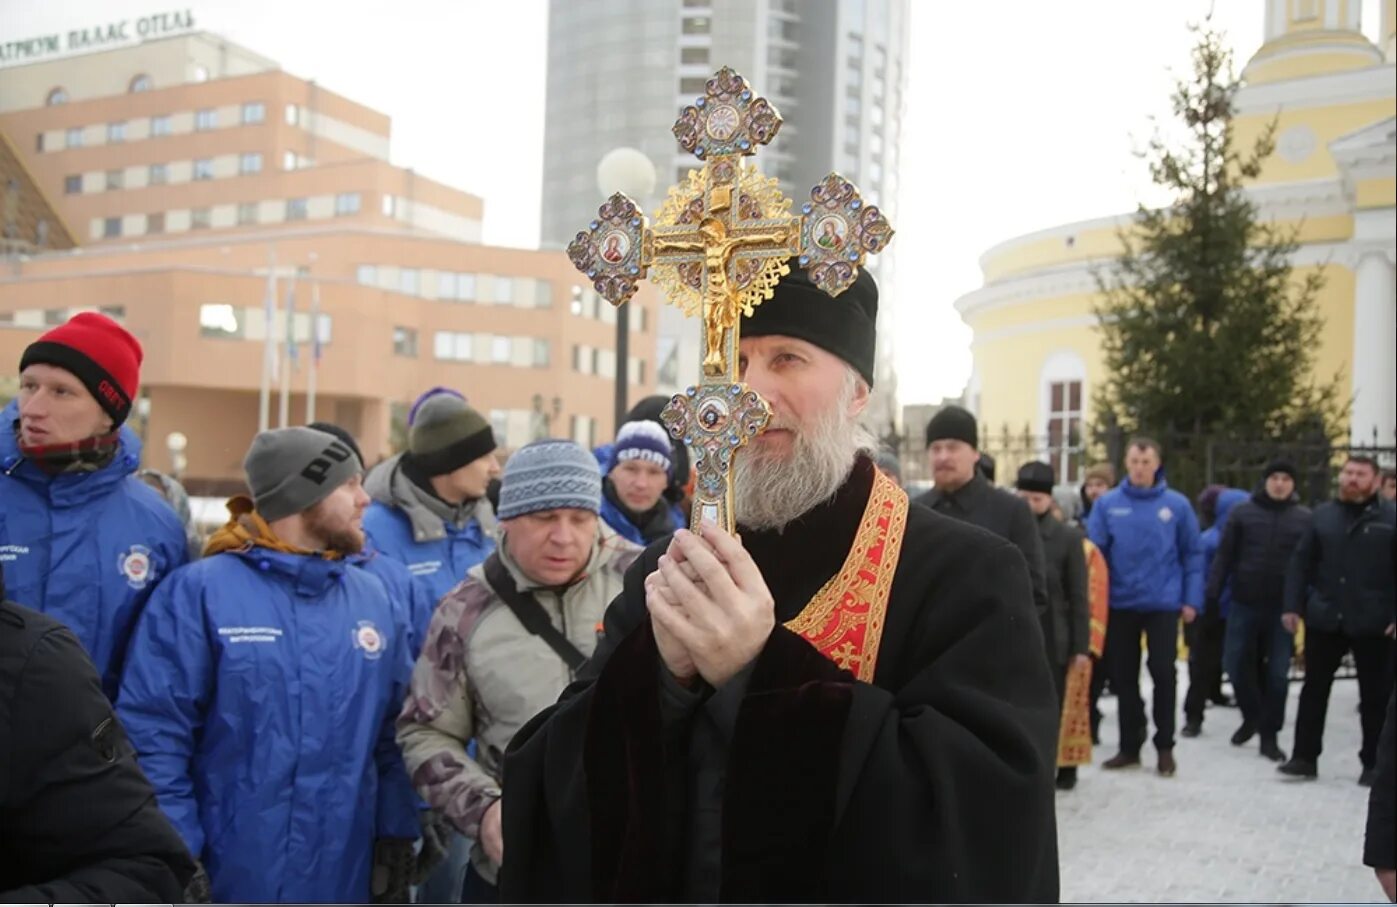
1227, 827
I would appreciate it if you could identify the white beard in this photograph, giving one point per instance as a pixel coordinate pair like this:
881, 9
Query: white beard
772, 490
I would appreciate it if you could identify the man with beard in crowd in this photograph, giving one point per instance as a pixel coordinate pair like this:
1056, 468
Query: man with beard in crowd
846, 701
641, 468
262, 687
1340, 581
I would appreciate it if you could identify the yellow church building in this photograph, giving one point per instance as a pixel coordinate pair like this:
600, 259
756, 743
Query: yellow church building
1333, 96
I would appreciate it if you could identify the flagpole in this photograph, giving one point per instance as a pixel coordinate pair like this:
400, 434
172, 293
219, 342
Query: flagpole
264, 403
314, 342
289, 339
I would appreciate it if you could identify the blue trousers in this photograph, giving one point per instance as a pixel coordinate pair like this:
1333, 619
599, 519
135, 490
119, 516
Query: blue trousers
1256, 634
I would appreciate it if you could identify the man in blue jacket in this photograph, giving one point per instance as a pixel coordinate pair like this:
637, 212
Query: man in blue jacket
1205, 635
1341, 583
262, 687
429, 509
641, 468
82, 539
1149, 536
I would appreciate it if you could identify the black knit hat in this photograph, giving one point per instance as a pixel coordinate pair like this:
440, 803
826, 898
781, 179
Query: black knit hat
446, 435
953, 423
331, 428
845, 325
1035, 476
1281, 465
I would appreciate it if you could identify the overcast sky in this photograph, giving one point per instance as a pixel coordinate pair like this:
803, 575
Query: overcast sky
1021, 114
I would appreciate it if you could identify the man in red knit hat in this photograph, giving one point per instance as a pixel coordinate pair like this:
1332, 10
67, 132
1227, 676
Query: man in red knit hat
81, 537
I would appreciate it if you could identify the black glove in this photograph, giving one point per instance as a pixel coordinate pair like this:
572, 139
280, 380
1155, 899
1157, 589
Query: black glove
436, 842
198, 891
392, 871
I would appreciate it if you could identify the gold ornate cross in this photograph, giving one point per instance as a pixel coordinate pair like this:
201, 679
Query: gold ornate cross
719, 247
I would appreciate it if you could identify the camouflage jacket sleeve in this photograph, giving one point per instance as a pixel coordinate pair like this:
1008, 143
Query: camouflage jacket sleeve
438, 717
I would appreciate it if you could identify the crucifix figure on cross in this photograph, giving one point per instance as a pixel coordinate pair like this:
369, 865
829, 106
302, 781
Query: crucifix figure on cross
721, 242
721, 307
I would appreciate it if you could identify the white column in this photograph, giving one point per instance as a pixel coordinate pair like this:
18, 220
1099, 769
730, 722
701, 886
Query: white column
1374, 349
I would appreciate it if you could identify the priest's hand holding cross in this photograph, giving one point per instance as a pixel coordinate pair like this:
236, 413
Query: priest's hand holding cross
710, 608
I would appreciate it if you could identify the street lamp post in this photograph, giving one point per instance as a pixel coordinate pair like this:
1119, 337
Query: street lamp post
625, 170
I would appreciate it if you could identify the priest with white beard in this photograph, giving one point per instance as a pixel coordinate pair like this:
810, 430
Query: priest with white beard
845, 702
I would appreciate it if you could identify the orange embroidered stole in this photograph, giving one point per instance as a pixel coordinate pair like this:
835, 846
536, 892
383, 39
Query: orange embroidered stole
845, 619
1074, 735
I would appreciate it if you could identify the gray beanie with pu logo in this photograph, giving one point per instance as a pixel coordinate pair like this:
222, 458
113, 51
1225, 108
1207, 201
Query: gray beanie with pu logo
290, 470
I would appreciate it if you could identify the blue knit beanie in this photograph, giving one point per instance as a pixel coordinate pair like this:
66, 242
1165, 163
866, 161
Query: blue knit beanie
549, 475
644, 440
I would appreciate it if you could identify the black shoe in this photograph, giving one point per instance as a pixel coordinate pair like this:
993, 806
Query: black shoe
1270, 750
1223, 700
1122, 760
1299, 768
1143, 736
1244, 733
1167, 765
1066, 779
1368, 777
1192, 728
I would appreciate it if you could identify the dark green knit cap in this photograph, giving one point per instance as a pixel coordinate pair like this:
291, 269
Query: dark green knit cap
447, 435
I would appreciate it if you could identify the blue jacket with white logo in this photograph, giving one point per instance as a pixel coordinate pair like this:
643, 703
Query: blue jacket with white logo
260, 695
1150, 539
1212, 537
85, 548
435, 552
410, 596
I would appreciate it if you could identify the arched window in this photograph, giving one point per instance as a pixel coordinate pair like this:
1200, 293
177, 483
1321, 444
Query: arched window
141, 82
1062, 384
57, 96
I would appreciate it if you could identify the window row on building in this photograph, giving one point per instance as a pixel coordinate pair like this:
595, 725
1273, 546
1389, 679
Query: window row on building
457, 286
587, 303
223, 321
41, 319
170, 173
600, 361
489, 349
114, 132
213, 217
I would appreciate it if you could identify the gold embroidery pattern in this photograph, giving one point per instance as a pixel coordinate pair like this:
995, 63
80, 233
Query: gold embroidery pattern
845, 619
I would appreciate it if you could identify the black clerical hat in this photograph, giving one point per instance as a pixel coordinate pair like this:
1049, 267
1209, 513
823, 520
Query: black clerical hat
845, 325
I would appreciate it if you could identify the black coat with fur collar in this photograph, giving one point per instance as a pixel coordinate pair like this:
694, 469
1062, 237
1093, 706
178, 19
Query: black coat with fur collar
795, 782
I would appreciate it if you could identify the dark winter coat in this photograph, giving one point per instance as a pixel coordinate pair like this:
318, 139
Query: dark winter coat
981, 504
1066, 564
1340, 577
78, 821
794, 782
1258, 538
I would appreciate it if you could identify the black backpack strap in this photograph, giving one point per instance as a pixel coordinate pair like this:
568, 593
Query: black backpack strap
531, 613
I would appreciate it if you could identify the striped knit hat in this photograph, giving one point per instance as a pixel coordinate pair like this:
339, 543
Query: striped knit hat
644, 440
549, 475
